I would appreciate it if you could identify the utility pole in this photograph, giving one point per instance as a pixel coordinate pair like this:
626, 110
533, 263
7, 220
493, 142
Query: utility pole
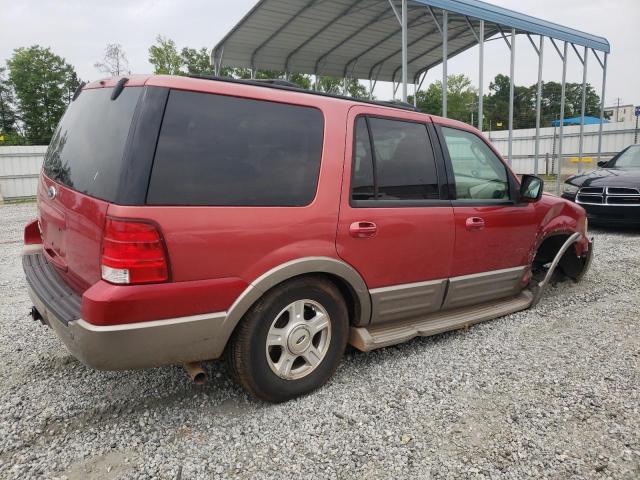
618, 100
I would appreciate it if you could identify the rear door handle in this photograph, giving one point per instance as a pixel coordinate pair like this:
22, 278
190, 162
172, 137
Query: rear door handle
474, 223
363, 229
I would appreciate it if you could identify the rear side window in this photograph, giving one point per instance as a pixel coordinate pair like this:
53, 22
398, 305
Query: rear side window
393, 160
221, 150
86, 152
362, 185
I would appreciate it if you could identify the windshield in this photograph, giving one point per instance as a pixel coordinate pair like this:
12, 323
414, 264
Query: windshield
87, 149
629, 158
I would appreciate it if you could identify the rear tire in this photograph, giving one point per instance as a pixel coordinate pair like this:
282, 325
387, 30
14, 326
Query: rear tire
291, 341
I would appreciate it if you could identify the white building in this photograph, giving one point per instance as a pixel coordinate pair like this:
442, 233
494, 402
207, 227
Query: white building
620, 113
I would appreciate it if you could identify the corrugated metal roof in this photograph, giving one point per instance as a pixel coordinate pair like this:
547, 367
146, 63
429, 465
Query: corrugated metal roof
362, 38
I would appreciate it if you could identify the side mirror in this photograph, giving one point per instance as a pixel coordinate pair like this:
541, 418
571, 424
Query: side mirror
531, 188
602, 163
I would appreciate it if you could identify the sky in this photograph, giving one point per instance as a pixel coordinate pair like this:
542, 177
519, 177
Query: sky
79, 30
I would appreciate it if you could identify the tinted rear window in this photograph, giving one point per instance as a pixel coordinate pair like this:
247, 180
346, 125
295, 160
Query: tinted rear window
395, 162
87, 149
220, 150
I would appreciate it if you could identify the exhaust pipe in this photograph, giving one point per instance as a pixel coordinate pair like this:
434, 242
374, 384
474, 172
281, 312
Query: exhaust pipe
195, 372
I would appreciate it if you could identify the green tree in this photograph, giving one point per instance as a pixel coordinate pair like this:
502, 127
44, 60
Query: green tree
336, 86
43, 83
300, 79
497, 104
197, 62
164, 57
429, 100
551, 95
8, 118
461, 98
524, 103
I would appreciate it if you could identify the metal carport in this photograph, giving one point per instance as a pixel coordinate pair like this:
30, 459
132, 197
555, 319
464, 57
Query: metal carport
397, 41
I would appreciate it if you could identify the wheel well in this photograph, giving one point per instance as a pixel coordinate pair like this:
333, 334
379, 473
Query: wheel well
346, 290
570, 265
349, 295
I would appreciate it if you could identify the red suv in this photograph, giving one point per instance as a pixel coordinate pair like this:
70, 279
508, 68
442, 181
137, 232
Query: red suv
184, 218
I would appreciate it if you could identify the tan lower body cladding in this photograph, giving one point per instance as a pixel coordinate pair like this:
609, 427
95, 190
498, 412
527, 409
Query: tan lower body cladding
403, 312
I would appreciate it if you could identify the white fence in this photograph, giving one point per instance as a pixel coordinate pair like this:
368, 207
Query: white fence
20, 166
615, 137
19, 169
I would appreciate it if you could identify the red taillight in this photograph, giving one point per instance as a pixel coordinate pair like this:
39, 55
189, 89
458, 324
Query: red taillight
133, 252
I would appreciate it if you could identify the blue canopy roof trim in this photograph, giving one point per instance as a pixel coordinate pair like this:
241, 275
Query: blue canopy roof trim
362, 38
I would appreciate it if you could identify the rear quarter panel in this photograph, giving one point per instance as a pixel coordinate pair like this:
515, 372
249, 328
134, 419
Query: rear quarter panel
243, 242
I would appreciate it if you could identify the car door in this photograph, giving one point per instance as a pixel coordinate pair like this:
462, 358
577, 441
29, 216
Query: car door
395, 226
494, 232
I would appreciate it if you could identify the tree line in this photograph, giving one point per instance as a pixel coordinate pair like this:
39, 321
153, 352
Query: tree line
36, 85
462, 102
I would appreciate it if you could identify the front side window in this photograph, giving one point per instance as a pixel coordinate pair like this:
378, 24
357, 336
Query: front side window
221, 150
479, 173
393, 160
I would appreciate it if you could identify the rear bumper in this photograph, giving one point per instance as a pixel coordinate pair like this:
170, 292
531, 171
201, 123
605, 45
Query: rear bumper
121, 347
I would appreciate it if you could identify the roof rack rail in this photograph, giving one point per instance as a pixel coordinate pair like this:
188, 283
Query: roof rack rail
397, 103
285, 85
277, 81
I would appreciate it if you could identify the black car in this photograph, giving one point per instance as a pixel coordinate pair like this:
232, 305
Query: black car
610, 194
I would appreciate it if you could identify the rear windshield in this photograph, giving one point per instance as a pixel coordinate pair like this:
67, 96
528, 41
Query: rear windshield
221, 150
87, 149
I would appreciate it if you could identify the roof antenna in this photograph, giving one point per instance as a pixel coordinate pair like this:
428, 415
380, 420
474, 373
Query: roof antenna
117, 90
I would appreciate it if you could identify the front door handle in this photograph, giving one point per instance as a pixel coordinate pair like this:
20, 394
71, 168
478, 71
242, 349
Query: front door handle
474, 224
363, 229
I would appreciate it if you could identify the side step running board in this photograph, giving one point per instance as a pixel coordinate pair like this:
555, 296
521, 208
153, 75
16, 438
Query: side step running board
378, 336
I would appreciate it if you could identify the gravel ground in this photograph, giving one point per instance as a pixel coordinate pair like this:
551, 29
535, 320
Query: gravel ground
549, 393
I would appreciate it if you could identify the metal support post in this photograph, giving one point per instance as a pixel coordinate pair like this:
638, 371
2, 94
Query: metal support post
538, 105
404, 50
604, 85
582, 111
561, 126
481, 76
445, 47
511, 94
